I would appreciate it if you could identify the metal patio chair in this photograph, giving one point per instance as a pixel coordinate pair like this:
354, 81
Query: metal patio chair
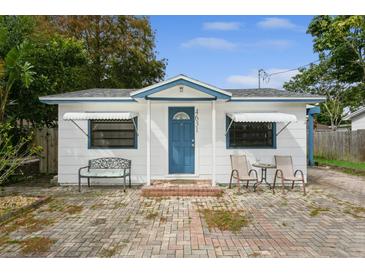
285, 172
242, 171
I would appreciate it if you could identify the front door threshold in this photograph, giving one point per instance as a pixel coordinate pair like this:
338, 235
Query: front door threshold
182, 175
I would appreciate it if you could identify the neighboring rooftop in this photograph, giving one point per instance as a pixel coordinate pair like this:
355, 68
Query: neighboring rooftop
357, 112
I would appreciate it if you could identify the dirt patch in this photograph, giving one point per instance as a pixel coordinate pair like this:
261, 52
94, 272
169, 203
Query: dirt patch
97, 206
119, 204
28, 223
111, 251
225, 219
55, 205
36, 245
355, 211
73, 209
151, 215
10, 203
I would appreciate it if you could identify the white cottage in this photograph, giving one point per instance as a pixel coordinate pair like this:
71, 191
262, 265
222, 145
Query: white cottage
357, 119
179, 128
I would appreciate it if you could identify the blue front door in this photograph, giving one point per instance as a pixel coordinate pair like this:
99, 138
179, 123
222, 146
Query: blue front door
181, 140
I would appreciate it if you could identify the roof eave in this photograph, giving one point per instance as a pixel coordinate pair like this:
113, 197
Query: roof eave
65, 100
279, 99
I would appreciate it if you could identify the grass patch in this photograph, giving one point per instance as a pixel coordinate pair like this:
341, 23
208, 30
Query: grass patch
110, 252
36, 245
355, 211
4, 240
73, 209
118, 205
353, 168
96, 206
225, 219
56, 205
128, 218
28, 223
316, 210
151, 215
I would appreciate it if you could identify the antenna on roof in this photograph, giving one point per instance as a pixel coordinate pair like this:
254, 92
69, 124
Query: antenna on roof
262, 74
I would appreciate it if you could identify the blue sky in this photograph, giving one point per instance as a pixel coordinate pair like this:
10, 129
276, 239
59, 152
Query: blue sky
227, 51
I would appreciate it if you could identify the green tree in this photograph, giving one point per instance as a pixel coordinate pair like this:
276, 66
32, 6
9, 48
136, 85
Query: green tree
14, 30
318, 79
59, 67
121, 49
340, 74
13, 69
340, 40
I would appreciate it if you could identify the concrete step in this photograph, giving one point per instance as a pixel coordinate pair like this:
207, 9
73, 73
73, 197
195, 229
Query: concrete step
160, 191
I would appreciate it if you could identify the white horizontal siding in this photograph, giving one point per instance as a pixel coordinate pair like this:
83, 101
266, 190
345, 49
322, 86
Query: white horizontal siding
74, 152
358, 122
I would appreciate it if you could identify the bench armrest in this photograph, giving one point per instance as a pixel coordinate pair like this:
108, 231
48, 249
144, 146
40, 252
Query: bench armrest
82, 168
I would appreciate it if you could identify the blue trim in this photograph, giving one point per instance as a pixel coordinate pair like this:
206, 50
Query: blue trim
185, 83
278, 100
180, 99
311, 112
56, 102
274, 139
177, 169
113, 148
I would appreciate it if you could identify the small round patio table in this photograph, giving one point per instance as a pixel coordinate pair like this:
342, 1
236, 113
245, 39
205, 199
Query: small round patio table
264, 168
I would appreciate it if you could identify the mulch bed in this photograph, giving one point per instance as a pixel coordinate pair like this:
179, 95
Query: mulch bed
12, 206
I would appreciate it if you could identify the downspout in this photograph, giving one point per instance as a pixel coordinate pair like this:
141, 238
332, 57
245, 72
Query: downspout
311, 111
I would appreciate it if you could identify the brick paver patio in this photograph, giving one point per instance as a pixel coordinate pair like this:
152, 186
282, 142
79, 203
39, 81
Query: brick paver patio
110, 223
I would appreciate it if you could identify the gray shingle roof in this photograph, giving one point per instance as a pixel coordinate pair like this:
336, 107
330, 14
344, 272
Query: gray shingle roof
95, 93
109, 93
266, 92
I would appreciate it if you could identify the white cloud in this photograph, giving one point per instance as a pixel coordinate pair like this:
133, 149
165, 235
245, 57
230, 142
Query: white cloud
224, 26
272, 44
250, 80
278, 23
209, 43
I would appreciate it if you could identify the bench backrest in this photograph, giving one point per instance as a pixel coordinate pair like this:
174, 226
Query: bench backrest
110, 163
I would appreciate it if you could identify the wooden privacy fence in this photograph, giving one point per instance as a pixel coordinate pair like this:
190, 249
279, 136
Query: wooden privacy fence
345, 145
47, 138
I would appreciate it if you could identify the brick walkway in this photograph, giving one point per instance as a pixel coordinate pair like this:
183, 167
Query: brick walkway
110, 223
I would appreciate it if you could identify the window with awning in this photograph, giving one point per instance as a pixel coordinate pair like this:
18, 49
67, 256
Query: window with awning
108, 129
112, 134
255, 130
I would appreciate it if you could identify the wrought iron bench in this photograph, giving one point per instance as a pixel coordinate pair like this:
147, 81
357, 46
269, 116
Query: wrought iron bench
110, 167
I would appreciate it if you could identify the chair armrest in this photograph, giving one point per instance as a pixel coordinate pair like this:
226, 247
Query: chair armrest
252, 170
236, 171
82, 168
277, 171
301, 173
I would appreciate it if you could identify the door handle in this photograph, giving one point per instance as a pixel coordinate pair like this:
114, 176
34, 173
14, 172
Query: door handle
192, 143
